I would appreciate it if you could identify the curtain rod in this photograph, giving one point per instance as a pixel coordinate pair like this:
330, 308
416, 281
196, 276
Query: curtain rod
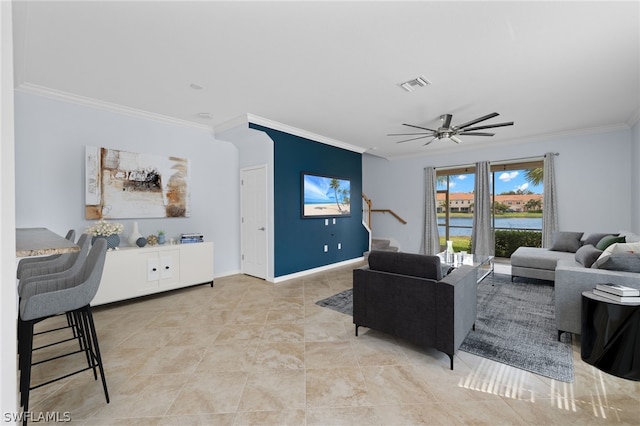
497, 162
524, 158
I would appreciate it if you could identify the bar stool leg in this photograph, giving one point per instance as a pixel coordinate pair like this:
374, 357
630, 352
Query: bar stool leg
94, 337
25, 374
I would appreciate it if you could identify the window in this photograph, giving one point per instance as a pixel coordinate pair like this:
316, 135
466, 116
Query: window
516, 193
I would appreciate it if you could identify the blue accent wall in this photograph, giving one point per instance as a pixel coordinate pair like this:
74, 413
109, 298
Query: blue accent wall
299, 242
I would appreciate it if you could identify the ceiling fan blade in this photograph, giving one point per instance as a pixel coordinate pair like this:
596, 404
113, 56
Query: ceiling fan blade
477, 120
408, 134
455, 139
413, 139
476, 133
446, 120
489, 126
430, 141
418, 127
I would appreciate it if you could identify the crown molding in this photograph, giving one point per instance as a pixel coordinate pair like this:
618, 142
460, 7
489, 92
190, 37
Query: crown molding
240, 121
261, 121
35, 89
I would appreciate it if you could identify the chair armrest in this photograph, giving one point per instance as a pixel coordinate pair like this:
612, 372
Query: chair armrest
570, 272
457, 307
572, 280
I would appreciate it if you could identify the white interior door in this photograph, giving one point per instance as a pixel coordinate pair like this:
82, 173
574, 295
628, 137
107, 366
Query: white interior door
254, 221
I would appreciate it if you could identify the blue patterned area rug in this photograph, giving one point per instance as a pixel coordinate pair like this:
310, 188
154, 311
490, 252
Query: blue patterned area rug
515, 326
341, 302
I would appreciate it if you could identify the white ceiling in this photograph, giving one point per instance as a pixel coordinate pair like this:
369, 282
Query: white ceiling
334, 68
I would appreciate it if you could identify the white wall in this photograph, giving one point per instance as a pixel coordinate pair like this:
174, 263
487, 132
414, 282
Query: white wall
255, 148
51, 136
635, 178
8, 296
593, 173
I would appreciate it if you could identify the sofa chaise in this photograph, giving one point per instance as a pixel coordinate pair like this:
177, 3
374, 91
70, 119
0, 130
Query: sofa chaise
577, 265
406, 295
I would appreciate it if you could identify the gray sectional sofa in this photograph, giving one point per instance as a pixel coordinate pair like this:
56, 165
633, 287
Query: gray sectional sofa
577, 264
406, 295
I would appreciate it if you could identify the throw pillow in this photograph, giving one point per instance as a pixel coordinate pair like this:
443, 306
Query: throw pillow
605, 255
630, 237
626, 262
566, 241
608, 240
624, 248
586, 255
594, 239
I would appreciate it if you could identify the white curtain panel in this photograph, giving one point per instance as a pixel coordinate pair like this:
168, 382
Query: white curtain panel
549, 203
482, 239
431, 238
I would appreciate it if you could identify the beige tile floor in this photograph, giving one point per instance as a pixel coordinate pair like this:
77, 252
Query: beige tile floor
250, 352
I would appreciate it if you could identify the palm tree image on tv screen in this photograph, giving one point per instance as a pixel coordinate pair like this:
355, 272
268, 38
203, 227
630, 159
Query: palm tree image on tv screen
325, 196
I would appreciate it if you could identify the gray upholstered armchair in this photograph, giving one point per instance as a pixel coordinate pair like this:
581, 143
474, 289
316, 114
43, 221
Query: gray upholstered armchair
405, 295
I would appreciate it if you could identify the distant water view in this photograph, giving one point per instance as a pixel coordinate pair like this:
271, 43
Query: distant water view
528, 223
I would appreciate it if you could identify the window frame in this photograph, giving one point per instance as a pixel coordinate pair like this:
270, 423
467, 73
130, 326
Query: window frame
471, 169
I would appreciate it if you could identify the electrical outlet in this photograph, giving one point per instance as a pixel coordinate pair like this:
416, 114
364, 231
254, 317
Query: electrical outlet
326, 222
339, 246
326, 248
334, 220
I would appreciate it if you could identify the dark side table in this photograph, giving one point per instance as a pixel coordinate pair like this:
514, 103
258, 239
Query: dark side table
611, 336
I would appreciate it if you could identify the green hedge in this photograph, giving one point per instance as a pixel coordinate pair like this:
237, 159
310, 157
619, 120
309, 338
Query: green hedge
508, 241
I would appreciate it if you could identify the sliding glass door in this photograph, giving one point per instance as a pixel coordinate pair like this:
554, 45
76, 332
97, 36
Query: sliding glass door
516, 196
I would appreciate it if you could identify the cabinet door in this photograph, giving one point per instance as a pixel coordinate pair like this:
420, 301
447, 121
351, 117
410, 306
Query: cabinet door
116, 280
169, 269
153, 269
196, 261
144, 275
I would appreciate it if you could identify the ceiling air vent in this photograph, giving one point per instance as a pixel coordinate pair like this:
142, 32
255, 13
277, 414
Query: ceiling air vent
416, 82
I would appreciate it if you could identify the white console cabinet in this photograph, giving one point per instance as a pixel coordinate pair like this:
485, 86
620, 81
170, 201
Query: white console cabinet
132, 271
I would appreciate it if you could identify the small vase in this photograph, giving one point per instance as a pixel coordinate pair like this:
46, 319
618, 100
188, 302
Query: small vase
161, 239
449, 252
450, 246
113, 241
135, 234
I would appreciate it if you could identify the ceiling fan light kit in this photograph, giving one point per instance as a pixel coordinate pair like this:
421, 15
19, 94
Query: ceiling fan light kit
447, 131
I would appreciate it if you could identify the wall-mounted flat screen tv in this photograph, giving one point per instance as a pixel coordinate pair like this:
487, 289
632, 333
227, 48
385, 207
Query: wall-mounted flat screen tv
325, 196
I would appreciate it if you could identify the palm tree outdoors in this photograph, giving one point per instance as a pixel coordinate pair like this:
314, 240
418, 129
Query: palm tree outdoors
534, 176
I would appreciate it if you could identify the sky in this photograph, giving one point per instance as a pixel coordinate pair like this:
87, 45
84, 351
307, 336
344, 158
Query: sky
317, 189
506, 181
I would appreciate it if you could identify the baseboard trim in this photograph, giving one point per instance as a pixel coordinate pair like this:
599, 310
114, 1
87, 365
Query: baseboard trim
316, 270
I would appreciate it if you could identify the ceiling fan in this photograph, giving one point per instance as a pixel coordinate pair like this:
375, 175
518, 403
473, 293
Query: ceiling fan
447, 131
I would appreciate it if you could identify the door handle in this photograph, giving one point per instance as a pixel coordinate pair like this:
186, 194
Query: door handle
261, 229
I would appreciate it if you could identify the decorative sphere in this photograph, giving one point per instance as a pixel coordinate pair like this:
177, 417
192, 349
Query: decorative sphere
141, 242
152, 240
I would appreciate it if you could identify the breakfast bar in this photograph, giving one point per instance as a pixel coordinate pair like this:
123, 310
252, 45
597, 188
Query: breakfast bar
42, 242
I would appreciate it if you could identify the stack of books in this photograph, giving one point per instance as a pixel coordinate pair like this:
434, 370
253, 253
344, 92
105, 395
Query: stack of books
191, 238
618, 292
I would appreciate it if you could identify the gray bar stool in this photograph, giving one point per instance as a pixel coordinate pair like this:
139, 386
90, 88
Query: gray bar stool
68, 263
45, 296
30, 266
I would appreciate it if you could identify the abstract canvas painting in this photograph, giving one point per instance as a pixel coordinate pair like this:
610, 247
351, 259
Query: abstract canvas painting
121, 184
